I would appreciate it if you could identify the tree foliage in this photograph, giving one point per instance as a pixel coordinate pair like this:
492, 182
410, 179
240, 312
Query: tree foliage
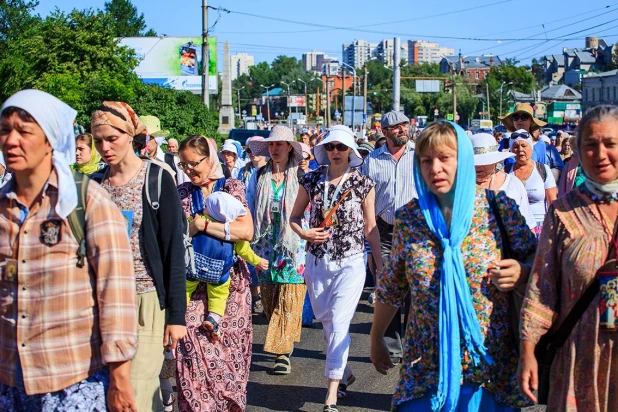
508, 77
75, 56
127, 22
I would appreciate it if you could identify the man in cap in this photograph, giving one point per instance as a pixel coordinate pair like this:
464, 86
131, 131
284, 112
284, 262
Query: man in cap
391, 168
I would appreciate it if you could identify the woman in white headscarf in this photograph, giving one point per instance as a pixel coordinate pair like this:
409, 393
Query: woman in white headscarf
76, 332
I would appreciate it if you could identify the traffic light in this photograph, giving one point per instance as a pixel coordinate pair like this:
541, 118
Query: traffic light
323, 102
311, 103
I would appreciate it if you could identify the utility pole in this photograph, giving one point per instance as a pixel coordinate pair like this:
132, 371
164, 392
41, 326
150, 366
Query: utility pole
396, 75
488, 111
365, 101
343, 92
205, 57
306, 102
454, 100
327, 104
238, 91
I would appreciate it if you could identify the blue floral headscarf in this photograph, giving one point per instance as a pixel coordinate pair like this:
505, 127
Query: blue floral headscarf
457, 317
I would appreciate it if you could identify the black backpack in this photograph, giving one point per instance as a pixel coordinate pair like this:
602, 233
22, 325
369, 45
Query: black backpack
169, 159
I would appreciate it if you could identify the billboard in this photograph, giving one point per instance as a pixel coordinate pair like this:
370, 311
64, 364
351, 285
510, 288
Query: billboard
174, 62
296, 101
427, 86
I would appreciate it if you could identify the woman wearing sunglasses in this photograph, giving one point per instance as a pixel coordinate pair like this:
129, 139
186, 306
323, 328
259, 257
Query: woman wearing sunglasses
523, 118
341, 204
537, 178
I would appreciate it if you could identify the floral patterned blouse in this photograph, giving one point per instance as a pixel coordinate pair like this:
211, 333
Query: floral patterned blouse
573, 245
413, 267
128, 198
347, 237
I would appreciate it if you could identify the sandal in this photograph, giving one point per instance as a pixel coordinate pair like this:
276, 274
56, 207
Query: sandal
169, 407
330, 408
282, 365
342, 391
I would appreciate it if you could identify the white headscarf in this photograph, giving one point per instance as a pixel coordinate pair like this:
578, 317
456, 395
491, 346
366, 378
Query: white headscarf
56, 119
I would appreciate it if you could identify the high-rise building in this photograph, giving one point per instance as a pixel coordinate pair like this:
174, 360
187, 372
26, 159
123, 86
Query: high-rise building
240, 64
357, 53
420, 51
385, 51
312, 60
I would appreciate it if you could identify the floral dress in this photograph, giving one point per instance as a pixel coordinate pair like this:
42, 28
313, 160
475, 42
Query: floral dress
213, 376
281, 268
413, 267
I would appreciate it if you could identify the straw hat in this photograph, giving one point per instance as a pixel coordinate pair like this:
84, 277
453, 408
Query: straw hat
486, 150
341, 134
277, 134
507, 120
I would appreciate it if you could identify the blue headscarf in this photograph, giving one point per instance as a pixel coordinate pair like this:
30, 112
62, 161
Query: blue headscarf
457, 317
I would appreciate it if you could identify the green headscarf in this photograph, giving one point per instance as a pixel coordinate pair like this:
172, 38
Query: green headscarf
93, 164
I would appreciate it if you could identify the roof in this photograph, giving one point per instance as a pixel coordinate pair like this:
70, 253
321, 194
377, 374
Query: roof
556, 57
521, 97
603, 74
475, 62
560, 92
585, 57
275, 91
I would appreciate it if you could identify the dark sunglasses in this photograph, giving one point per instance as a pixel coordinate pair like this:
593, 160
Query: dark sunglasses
329, 147
248, 151
523, 116
524, 135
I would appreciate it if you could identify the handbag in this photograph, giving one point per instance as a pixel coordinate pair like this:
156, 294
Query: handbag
328, 219
516, 297
549, 344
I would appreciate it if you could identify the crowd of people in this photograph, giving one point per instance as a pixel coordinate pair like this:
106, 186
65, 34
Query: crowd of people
124, 265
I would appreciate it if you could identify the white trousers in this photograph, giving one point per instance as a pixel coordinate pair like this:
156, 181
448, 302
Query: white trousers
335, 287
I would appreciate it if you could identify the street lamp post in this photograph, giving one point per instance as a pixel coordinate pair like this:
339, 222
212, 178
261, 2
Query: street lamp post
288, 104
353, 95
267, 100
238, 91
502, 86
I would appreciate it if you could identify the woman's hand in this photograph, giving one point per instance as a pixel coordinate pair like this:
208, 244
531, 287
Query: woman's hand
528, 371
380, 356
198, 224
262, 266
317, 235
505, 274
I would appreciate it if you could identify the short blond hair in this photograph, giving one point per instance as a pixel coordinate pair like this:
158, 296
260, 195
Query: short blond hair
436, 135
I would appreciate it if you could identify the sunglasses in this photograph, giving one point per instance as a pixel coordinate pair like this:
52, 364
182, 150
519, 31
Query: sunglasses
329, 147
523, 135
306, 157
191, 165
523, 116
248, 151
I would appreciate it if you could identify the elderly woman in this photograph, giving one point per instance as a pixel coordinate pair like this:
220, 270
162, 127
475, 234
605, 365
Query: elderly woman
460, 351
230, 156
486, 159
202, 364
537, 178
341, 204
87, 158
282, 286
577, 234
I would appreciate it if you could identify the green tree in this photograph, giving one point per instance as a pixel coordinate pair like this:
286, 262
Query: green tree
509, 77
613, 62
127, 22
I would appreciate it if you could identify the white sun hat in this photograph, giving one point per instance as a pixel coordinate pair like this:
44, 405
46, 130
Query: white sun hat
278, 133
342, 134
486, 150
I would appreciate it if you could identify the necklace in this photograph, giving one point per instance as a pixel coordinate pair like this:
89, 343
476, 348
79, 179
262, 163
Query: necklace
527, 177
606, 198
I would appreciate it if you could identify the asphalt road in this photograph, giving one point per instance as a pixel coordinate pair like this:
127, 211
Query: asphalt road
305, 388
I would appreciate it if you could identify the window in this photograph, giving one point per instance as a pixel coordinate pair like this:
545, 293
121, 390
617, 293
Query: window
476, 75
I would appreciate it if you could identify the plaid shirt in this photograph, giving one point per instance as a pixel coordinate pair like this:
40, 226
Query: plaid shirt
63, 323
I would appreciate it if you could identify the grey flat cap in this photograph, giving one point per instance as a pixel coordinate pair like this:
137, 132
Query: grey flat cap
393, 118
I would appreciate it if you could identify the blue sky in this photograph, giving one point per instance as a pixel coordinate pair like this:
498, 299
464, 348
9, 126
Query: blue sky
503, 23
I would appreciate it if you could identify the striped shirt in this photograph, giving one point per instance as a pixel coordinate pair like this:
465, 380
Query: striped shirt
394, 180
61, 322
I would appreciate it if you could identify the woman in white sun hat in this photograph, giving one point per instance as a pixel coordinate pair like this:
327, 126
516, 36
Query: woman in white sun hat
486, 158
341, 201
275, 186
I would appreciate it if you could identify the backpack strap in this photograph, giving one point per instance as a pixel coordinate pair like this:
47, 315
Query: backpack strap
153, 185
540, 167
169, 159
77, 218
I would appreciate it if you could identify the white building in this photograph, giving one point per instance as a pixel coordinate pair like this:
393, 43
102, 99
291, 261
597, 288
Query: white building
420, 51
385, 51
600, 88
240, 64
357, 53
310, 60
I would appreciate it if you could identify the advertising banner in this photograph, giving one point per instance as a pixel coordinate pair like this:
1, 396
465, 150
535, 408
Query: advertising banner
296, 101
174, 62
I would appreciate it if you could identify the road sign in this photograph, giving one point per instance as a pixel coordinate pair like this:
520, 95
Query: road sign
449, 116
364, 118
